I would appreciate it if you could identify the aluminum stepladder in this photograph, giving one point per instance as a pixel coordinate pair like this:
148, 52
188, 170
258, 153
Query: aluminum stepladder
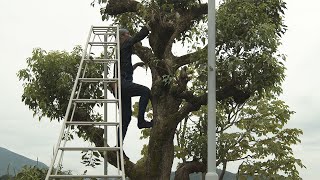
106, 37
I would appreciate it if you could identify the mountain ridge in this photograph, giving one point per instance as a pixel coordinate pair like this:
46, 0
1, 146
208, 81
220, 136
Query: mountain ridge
11, 163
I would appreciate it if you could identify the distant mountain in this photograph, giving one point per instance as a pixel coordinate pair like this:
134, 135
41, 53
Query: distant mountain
12, 163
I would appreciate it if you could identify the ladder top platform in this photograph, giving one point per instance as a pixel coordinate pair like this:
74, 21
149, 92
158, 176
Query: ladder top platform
104, 29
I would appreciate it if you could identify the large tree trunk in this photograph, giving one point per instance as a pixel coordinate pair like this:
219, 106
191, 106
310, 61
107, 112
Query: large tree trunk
161, 149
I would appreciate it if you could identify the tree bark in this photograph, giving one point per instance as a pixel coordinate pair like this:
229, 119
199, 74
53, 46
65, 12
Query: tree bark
161, 149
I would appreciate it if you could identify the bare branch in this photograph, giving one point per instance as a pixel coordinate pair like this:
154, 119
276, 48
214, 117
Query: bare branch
193, 104
139, 64
232, 117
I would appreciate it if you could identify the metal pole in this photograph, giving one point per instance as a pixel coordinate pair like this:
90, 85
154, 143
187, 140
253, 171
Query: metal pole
211, 173
105, 75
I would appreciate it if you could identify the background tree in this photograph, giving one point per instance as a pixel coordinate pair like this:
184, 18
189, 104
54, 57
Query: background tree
249, 74
252, 134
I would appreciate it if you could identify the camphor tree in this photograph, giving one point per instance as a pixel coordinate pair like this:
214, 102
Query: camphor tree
250, 117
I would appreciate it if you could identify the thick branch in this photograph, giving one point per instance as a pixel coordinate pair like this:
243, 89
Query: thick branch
183, 60
195, 102
187, 59
141, 64
187, 168
115, 7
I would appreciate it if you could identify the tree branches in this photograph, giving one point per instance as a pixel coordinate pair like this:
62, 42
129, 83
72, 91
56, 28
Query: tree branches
183, 21
115, 7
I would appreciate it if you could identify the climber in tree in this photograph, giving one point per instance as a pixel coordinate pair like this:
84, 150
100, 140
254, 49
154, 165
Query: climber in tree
129, 88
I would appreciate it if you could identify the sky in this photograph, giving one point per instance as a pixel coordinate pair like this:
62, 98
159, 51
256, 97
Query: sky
61, 25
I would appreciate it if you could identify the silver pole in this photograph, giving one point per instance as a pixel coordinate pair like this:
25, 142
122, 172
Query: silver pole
105, 74
211, 173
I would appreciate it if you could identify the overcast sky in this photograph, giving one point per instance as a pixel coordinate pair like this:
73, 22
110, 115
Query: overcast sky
60, 25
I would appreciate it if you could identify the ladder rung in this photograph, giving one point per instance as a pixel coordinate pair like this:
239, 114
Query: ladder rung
101, 60
95, 100
85, 176
92, 123
102, 43
104, 27
89, 148
98, 79
103, 32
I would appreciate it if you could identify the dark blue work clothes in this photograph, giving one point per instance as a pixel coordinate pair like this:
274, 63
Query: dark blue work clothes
126, 49
128, 88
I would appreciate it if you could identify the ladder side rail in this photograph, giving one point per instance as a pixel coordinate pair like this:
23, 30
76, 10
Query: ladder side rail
69, 106
72, 115
117, 87
105, 105
120, 104
117, 130
118, 164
